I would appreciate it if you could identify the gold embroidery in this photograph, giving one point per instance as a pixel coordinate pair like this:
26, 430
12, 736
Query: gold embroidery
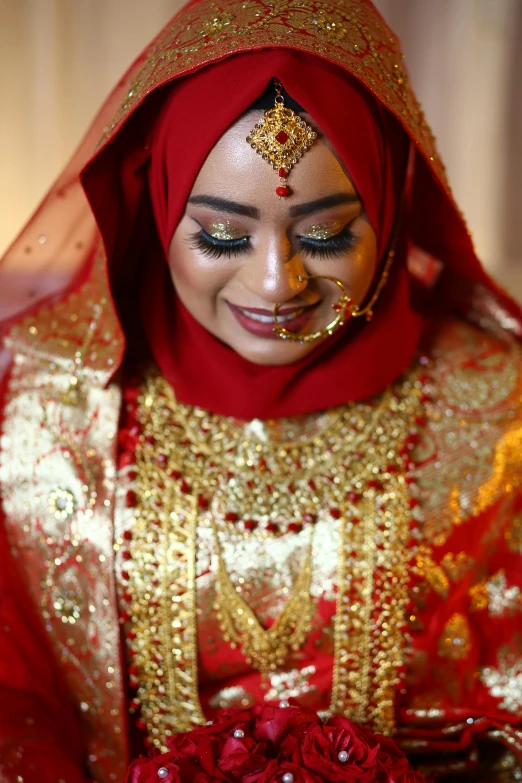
352, 36
431, 572
505, 681
471, 448
514, 535
456, 565
455, 642
495, 595
293, 684
479, 597
57, 469
190, 462
234, 696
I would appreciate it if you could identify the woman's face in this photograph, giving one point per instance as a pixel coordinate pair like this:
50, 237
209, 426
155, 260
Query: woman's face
239, 249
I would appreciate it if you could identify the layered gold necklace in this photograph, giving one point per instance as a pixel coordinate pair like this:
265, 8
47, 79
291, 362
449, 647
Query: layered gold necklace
263, 480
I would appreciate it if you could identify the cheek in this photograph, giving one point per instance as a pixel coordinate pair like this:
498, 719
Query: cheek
363, 263
193, 273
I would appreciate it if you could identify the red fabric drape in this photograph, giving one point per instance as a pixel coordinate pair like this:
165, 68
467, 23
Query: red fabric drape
357, 362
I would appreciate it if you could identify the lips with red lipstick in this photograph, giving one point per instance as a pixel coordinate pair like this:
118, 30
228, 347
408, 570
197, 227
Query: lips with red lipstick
261, 322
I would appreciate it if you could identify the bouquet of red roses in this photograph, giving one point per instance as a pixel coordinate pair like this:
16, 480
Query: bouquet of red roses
285, 744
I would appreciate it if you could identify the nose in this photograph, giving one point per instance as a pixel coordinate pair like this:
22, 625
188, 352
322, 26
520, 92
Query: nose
273, 272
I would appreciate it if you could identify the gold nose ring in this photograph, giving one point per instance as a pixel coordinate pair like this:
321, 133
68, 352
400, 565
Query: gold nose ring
344, 308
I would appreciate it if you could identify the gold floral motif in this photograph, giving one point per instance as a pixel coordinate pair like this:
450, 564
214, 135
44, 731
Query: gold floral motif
192, 466
62, 503
514, 535
216, 23
495, 595
434, 575
479, 597
456, 565
329, 26
455, 642
505, 681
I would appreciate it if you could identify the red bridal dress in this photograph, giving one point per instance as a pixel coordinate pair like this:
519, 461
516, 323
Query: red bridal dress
182, 531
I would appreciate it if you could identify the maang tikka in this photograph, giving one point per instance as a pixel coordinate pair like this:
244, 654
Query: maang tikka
281, 137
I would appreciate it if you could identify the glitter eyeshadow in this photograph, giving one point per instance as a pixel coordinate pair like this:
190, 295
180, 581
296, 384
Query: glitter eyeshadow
324, 230
225, 230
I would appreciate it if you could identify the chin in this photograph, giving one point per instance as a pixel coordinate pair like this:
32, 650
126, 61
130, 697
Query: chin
275, 353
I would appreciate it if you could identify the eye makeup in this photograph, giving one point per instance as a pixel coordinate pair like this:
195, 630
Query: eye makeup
325, 230
224, 231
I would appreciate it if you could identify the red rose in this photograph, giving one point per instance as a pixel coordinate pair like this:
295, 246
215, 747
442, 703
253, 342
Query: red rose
276, 745
144, 770
274, 772
273, 723
338, 754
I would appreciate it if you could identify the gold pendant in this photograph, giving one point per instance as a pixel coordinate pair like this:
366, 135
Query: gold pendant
266, 649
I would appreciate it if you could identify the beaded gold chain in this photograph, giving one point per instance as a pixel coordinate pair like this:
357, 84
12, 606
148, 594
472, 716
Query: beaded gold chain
266, 479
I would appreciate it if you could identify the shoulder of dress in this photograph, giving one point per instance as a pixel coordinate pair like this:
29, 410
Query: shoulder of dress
469, 452
474, 371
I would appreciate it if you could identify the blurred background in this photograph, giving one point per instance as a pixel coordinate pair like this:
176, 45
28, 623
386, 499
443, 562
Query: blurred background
60, 58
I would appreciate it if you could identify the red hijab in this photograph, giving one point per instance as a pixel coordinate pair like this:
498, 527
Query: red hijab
358, 361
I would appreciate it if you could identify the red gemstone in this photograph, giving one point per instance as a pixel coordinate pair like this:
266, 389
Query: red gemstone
250, 524
231, 516
282, 191
335, 513
126, 555
202, 502
272, 527
185, 488
140, 723
127, 535
132, 499
125, 575
295, 527
283, 173
282, 137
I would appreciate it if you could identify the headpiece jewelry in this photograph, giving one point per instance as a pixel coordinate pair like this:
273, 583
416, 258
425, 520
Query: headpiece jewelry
281, 137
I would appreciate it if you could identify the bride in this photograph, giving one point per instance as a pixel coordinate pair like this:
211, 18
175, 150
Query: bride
261, 425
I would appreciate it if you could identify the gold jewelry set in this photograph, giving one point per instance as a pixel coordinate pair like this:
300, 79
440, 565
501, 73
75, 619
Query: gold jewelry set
281, 137
195, 472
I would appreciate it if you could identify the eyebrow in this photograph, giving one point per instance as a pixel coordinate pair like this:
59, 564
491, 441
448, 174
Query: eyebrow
323, 203
299, 210
224, 205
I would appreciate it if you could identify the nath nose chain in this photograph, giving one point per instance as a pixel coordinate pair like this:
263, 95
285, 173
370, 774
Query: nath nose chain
281, 137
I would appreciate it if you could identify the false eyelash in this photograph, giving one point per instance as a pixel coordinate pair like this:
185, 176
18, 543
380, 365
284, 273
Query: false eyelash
314, 248
328, 248
216, 248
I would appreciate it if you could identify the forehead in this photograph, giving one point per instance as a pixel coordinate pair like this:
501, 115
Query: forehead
234, 171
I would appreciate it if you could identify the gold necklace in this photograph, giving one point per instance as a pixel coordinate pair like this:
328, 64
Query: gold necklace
193, 469
266, 649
